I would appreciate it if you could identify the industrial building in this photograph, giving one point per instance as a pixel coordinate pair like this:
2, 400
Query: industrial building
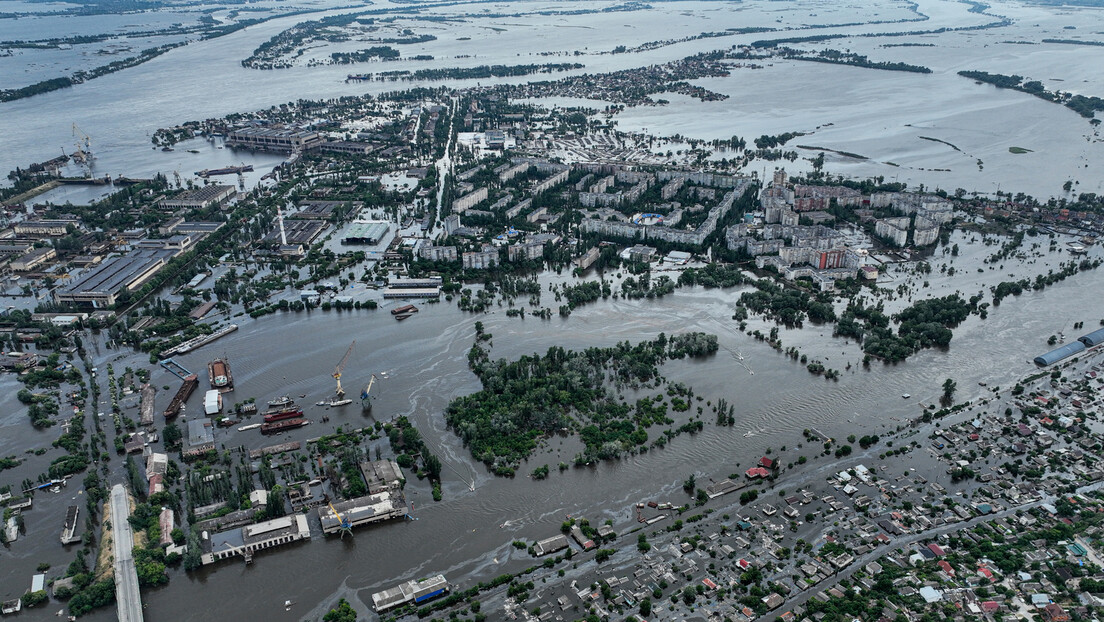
365, 232
212, 402
200, 198
550, 545
416, 592
1093, 339
101, 285
412, 292
252, 538
1057, 354
45, 228
432, 281
278, 139
362, 511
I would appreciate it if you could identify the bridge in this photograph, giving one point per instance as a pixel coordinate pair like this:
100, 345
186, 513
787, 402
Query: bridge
127, 596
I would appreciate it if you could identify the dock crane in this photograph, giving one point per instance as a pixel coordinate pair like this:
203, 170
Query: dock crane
341, 367
346, 526
83, 154
365, 397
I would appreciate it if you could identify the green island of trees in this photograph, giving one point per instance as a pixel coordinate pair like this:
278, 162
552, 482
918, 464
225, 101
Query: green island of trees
565, 390
1085, 106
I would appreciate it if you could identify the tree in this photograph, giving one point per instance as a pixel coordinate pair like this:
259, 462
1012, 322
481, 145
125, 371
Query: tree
343, 612
949, 388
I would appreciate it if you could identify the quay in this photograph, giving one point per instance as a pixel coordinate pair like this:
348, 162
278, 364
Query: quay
202, 340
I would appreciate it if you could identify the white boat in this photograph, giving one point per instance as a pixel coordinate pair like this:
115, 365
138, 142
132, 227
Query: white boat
334, 402
906, 395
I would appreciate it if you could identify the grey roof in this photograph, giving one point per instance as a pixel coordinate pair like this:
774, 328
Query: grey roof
1094, 338
1071, 348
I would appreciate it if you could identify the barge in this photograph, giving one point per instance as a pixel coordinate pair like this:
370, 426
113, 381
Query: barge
218, 373
182, 395
286, 424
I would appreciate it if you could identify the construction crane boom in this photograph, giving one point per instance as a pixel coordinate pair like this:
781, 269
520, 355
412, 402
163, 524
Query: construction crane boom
346, 526
341, 367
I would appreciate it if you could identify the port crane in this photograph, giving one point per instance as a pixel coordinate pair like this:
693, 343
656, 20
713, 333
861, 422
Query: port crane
83, 154
341, 367
365, 397
346, 526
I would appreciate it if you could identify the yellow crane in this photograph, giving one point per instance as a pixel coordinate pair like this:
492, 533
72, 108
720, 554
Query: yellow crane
346, 526
341, 367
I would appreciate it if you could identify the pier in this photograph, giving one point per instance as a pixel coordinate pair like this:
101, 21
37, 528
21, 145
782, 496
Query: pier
127, 596
202, 340
176, 368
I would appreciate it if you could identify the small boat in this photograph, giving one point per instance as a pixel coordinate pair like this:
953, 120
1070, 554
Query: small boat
193, 151
982, 383
906, 395
283, 400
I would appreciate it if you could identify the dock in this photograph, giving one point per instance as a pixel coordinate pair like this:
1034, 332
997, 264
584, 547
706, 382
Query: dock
148, 395
273, 449
69, 531
202, 340
182, 395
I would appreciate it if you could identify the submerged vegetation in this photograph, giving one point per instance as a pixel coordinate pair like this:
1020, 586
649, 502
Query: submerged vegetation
568, 391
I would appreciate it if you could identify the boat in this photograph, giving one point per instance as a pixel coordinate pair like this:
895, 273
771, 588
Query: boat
281, 414
218, 373
906, 395
286, 424
404, 309
228, 423
366, 394
277, 402
982, 383
403, 316
251, 426
334, 402
193, 151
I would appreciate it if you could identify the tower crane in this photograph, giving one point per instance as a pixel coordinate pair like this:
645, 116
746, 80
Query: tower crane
346, 526
341, 367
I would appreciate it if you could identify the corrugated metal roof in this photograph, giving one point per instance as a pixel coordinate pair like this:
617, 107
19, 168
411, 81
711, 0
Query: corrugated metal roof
1052, 357
1094, 338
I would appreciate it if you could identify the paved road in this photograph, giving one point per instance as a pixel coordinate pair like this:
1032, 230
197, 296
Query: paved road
127, 597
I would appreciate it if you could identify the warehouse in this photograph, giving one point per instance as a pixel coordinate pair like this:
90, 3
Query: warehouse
1052, 357
365, 232
102, 284
1093, 339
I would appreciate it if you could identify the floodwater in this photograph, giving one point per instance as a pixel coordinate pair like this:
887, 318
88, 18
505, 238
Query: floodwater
876, 114
421, 362
421, 365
